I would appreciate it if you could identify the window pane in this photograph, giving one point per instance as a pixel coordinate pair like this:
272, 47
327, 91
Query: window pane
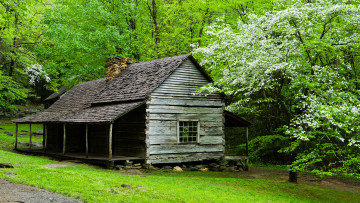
188, 131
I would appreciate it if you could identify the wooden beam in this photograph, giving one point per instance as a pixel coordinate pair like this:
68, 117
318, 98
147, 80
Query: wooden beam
87, 141
45, 137
30, 137
110, 141
16, 135
64, 141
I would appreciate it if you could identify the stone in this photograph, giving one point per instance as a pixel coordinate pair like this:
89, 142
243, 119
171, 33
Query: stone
136, 167
125, 185
24, 131
204, 169
6, 165
193, 168
166, 167
138, 164
8, 133
10, 173
38, 132
230, 169
119, 167
177, 169
183, 166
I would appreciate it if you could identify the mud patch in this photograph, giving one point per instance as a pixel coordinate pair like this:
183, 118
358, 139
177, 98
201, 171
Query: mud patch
59, 164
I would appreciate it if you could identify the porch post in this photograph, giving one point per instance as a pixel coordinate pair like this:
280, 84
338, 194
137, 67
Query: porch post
87, 141
110, 141
45, 137
16, 135
30, 137
64, 141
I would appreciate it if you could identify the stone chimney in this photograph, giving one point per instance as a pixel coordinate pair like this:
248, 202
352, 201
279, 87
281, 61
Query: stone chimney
115, 65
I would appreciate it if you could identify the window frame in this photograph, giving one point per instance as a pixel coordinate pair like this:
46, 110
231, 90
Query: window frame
197, 133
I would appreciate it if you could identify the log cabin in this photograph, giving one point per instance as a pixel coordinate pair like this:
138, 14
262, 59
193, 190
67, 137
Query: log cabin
147, 111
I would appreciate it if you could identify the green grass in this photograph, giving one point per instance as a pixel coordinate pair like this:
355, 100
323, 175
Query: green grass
94, 184
6, 142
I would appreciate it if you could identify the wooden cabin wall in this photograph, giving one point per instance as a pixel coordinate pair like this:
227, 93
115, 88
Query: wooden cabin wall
75, 138
98, 135
129, 134
54, 137
173, 101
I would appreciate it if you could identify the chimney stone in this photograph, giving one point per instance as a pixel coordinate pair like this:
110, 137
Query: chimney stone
115, 65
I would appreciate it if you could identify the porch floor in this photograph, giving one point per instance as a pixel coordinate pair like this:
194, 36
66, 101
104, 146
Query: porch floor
92, 158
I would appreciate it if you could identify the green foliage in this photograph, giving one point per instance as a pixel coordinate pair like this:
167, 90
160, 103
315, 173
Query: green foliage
294, 69
10, 93
265, 149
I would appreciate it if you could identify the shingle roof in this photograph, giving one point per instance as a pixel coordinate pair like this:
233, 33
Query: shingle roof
138, 80
54, 95
98, 101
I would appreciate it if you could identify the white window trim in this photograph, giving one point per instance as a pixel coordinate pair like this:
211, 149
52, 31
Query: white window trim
197, 134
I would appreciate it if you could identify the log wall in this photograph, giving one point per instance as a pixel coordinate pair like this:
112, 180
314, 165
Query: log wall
129, 134
173, 101
54, 137
98, 138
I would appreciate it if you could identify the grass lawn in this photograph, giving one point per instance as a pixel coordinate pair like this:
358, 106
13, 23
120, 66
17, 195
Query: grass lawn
94, 184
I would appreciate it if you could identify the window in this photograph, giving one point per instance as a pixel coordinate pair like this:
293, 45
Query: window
188, 131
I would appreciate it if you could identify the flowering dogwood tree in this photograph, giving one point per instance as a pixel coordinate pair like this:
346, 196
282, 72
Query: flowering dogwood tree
299, 64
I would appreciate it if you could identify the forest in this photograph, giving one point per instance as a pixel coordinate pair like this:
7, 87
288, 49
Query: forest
291, 67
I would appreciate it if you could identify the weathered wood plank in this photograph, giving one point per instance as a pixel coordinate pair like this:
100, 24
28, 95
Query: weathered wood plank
183, 148
162, 130
164, 93
181, 158
183, 110
156, 123
163, 139
211, 140
199, 116
184, 102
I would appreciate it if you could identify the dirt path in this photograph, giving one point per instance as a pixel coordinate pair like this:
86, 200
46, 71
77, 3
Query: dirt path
343, 184
12, 192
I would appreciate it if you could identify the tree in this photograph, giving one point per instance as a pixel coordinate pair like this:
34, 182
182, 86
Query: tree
295, 68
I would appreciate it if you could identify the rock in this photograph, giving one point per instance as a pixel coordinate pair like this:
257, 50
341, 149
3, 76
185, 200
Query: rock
166, 167
204, 169
10, 173
38, 132
193, 168
24, 131
136, 167
8, 133
138, 164
215, 169
183, 166
33, 144
1, 128
125, 185
119, 167
6, 165
114, 192
177, 169
231, 169
36, 144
